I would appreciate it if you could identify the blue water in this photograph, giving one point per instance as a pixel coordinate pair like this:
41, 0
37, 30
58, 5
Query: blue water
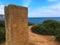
39, 20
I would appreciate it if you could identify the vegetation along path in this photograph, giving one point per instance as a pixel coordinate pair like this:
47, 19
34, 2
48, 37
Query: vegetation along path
35, 39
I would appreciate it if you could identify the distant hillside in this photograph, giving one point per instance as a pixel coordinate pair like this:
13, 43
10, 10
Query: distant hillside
1, 17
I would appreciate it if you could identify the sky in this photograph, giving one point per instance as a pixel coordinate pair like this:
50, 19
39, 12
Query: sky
36, 8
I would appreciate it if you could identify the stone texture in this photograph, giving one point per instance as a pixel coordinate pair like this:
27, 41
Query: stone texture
16, 24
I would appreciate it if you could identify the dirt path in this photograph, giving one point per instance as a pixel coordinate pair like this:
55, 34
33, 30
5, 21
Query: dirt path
35, 39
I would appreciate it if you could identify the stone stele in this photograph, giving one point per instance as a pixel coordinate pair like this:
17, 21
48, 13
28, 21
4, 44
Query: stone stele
16, 24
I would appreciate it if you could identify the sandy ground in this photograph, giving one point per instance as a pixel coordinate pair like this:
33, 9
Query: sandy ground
35, 39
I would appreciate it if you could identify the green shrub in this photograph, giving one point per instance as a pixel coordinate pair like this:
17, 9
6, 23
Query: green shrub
40, 29
49, 27
29, 23
57, 32
2, 24
50, 24
58, 38
2, 32
36, 29
2, 35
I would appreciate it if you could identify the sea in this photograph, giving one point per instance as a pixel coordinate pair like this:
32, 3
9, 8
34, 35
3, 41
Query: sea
40, 20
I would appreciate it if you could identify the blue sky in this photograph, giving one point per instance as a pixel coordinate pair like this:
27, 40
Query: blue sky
36, 8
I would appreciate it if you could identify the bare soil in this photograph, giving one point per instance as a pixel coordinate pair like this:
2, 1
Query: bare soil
35, 39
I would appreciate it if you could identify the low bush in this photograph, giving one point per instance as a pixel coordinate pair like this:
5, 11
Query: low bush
2, 24
2, 35
29, 23
2, 32
49, 27
58, 38
40, 29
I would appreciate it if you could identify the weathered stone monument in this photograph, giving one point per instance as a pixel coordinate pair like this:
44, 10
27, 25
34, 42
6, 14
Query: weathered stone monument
16, 23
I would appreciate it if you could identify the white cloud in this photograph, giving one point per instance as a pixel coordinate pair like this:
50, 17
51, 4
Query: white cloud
1, 9
49, 11
26, 3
